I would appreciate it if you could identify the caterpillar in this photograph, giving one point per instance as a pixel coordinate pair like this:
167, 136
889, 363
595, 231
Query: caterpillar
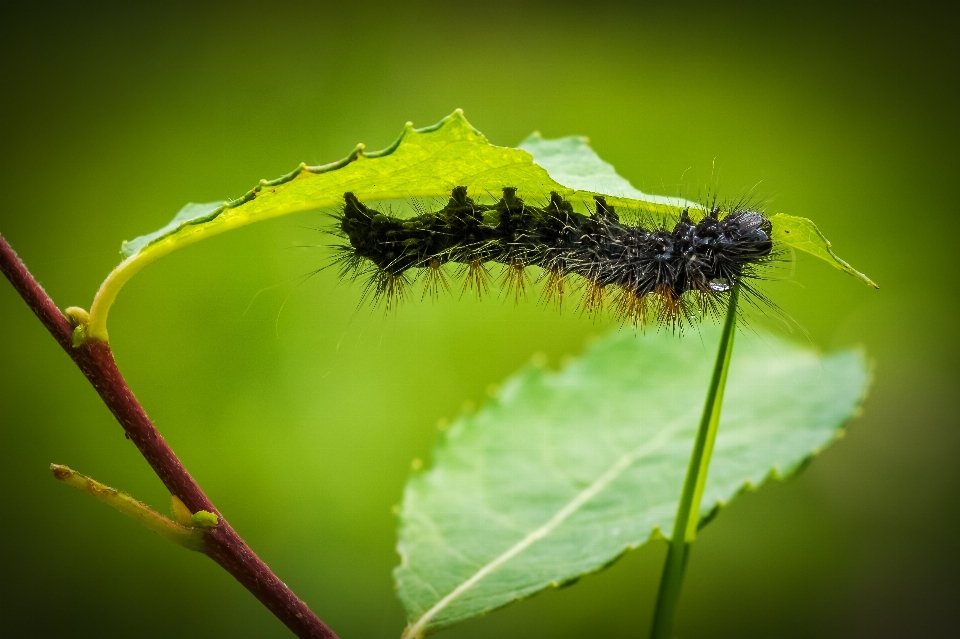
649, 272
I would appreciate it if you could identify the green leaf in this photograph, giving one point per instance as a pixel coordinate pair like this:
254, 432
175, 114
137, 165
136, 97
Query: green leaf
803, 235
571, 162
426, 162
564, 471
421, 163
190, 214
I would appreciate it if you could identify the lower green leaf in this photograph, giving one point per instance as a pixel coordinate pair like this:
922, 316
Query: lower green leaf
563, 472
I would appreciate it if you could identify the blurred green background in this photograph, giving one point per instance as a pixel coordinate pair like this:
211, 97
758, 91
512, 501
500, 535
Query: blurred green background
300, 414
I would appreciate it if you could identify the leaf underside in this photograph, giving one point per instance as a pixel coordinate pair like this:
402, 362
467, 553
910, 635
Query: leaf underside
564, 471
428, 163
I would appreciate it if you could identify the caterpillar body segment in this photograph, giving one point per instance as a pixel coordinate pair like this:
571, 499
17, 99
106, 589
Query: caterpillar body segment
667, 275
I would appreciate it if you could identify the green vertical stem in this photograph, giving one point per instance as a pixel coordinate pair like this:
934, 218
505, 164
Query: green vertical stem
688, 512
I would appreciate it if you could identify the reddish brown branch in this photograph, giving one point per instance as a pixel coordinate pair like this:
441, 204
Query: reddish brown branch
223, 544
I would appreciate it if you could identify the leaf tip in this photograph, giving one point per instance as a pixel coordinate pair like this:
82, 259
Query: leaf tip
810, 239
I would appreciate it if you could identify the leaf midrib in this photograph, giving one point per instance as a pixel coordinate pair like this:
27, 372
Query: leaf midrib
417, 629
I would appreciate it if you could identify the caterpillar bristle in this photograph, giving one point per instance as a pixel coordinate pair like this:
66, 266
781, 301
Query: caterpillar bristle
554, 287
591, 299
653, 271
631, 308
671, 310
515, 281
390, 288
476, 277
711, 306
434, 279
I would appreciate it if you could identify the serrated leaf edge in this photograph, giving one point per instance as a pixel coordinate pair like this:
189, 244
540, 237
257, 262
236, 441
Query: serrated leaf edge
357, 152
207, 225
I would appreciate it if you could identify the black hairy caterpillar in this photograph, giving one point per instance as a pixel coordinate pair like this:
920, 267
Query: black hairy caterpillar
667, 276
